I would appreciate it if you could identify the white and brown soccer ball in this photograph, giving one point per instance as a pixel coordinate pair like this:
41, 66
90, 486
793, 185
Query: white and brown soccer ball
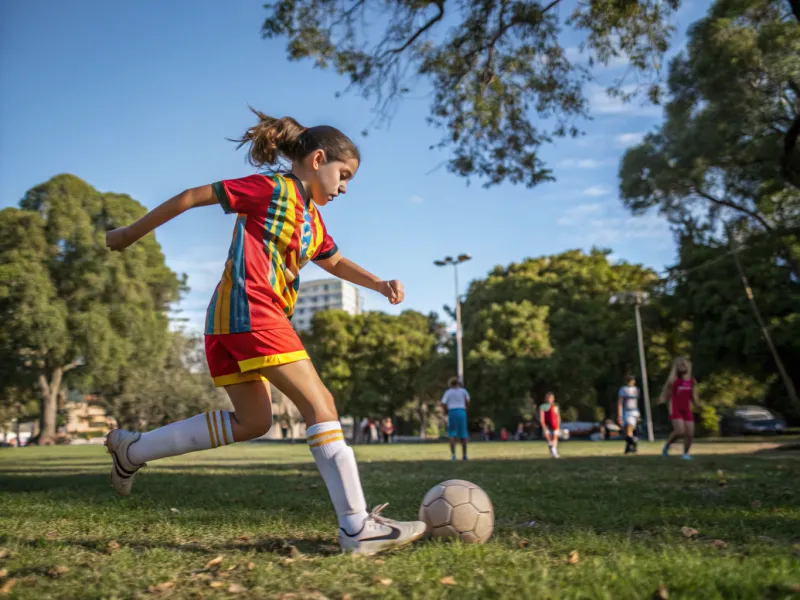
458, 509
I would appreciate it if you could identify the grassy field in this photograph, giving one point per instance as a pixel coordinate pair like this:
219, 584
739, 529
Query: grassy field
265, 511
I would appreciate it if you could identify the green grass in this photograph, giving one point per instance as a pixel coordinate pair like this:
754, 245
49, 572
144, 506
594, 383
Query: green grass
264, 508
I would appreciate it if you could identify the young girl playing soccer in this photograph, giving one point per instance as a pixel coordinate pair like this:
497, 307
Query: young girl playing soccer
550, 419
249, 339
681, 391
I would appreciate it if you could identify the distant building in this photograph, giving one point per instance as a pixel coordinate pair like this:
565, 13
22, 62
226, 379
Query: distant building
88, 418
324, 294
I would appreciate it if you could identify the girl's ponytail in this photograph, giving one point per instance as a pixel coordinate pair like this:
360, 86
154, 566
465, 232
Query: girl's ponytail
270, 139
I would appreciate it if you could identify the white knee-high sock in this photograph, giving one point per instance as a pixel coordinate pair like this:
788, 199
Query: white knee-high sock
337, 465
200, 432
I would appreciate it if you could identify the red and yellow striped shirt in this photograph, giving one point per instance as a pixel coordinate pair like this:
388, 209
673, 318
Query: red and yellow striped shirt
278, 230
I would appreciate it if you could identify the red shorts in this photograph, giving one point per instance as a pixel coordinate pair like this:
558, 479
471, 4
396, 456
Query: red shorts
683, 413
237, 357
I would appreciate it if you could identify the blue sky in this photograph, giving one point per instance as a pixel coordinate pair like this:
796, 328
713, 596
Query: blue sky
139, 98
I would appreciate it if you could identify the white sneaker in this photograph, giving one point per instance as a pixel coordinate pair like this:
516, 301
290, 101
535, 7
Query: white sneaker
379, 534
123, 470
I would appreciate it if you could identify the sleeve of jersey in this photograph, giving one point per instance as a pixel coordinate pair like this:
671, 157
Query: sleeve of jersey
328, 247
249, 195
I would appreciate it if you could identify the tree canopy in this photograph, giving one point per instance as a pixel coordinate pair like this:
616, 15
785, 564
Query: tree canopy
727, 149
70, 309
503, 85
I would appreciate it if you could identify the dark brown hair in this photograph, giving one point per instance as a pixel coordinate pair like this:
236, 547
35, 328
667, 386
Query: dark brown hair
272, 139
454, 382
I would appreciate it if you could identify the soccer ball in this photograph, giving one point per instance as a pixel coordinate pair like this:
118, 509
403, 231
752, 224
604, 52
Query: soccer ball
458, 509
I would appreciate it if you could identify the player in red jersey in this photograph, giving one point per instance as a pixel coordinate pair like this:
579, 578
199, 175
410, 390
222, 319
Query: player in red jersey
550, 419
681, 392
249, 339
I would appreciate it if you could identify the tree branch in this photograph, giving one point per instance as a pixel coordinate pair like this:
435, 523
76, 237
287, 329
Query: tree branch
431, 22
75, 363
732, 205
789, 150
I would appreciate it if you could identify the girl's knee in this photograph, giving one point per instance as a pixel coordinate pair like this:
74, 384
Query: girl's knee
255, 429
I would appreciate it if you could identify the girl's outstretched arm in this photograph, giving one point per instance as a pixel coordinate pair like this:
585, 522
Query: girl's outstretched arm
343, 268
122, 237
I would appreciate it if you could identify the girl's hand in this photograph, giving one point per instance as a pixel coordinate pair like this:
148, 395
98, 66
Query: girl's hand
118, 239
393, 290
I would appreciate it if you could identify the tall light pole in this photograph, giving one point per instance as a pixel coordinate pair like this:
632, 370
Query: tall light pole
449, 260
637, 299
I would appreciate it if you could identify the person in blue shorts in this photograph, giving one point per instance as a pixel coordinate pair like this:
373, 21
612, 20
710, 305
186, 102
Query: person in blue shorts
456, 403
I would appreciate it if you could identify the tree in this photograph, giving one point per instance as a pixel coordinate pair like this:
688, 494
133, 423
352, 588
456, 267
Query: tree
497, 68
69, 308
181, 388
727, 149
546, 324
374, 363
728, 348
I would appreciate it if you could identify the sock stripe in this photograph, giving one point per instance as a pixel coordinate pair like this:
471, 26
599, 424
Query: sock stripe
224, 433
210, 430
323, 434
321, 438
328, 441
216, 428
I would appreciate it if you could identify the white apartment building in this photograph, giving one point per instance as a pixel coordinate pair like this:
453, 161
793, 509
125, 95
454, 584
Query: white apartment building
324, 294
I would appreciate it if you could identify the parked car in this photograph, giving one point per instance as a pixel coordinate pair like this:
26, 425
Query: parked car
743, 420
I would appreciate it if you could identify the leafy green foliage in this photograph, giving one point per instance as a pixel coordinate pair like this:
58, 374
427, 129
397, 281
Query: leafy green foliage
70, 308
497, 68
546, 324
721, 156
375, 363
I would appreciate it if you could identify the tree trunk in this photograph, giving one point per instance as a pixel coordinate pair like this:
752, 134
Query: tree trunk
49, 390
423, 418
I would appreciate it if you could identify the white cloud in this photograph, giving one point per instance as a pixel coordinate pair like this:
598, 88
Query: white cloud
416, 199
601, 103
595, 191
606, 224
586, 163
580, 213
629, 139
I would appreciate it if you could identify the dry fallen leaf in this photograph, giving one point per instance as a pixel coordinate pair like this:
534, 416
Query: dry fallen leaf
719, 544
174, 510
57, 571
236, 588
448, 580
383, 580
720, 473
379, 561
214, 562
756, 504
112, 546
51, 535
689, 532
243, 538
217, 584
232, 568
8, 586
661, 593
4, 553
3, 573
162, 587
573, 557
524, 543
251, 566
